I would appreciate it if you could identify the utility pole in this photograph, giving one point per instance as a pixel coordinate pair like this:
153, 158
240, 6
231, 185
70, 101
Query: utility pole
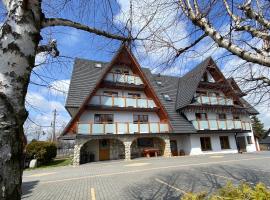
53, 138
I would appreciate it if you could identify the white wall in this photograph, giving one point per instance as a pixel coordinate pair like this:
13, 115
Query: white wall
215, 142
119, 116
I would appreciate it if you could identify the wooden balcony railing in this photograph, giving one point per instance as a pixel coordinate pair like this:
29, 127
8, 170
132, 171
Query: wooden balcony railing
221, 125
212, 100
122, 101
123, 78
122, 128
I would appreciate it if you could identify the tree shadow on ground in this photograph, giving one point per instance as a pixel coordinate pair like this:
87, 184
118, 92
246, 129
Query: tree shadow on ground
27, 188
201, 179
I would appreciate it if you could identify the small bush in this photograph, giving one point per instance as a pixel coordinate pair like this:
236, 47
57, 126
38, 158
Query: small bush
231, 192
41, 150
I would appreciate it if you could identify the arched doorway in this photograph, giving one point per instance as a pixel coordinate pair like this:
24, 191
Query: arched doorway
101, 150
147, 147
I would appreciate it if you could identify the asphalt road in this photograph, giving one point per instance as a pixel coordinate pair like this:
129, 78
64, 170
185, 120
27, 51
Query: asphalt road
153, 178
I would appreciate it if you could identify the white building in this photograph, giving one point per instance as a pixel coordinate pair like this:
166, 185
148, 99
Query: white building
122, 111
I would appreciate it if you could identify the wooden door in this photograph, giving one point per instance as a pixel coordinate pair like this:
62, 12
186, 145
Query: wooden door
104, 149
241, 142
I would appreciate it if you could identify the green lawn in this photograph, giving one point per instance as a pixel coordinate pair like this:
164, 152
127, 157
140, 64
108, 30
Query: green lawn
55, 163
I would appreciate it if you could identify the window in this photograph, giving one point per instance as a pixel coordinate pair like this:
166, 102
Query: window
224, 142
201, 116
205, 77
140, 119
206, 143
167, 97
103, 118
159, 83
249, 140
201, 93
222, 116
134, 95
236, 117
145, 142
117, 71
214, 94
126, 72
110, 93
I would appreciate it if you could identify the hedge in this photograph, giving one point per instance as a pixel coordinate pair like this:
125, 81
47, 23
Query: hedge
231, 192
41, 150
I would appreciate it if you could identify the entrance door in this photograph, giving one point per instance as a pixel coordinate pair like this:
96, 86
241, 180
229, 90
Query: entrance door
104, 149
241, 142
174, 147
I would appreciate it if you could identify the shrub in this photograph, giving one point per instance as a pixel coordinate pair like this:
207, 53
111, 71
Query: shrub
231, 192
41, 150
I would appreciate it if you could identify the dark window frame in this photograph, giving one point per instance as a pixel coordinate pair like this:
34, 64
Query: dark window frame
140, 119
103, 118
249, 140
221, 118
199, 116
206, 144
224, 142
110, 93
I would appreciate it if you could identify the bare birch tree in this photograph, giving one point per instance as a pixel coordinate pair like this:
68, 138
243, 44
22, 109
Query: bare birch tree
20, 42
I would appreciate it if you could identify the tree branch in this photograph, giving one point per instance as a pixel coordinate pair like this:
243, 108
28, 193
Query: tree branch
253, 15
50, 48
203, 23
65, 22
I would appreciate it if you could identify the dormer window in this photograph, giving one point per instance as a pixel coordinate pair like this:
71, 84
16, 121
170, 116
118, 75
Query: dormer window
167, 97
159, 83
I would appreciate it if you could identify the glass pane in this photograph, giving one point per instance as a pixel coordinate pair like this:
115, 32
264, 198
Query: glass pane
119, 101
230, 124
222, 124
195, 124
213, 124
107, 101
164, 128
131, 102
84, 129
154, 128
142, 103
144, 128
97, 129
203, 125
151, 104
133, 128
122, 128
110, 128
237, 124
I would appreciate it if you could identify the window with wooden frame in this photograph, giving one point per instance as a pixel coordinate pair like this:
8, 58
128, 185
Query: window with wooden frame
236, 117
134, 95
201, 116
103, 118
142, 119
110, 93
224, 142
249, 140
221, 116
206, 143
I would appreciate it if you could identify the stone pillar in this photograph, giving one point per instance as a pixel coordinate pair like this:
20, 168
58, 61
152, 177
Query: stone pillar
167, 148
77, 154
127, 145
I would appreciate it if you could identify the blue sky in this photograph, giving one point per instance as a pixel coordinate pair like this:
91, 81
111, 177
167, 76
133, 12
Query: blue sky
55, 74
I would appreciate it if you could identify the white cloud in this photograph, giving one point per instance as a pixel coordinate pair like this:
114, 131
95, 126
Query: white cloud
38, 101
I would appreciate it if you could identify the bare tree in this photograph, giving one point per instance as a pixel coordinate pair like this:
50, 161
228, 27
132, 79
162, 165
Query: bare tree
20, 42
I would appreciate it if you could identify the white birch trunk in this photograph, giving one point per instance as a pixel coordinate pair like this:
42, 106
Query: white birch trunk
19, 38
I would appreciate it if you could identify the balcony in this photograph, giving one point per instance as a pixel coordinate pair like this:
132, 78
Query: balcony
123, 78
213, 100
124, 102
221, 125
121, 128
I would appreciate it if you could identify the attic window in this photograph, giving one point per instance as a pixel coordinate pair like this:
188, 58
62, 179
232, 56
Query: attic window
98, 65
159, 83
167, 97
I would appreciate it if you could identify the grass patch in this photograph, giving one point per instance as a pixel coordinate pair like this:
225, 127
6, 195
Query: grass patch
55, 163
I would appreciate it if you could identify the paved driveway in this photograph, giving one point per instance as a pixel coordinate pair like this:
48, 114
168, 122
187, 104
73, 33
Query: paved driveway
154, 178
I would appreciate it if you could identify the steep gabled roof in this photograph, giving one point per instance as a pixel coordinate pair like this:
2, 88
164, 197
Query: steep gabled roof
188, 84
125, 56
84, 77
169, 86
